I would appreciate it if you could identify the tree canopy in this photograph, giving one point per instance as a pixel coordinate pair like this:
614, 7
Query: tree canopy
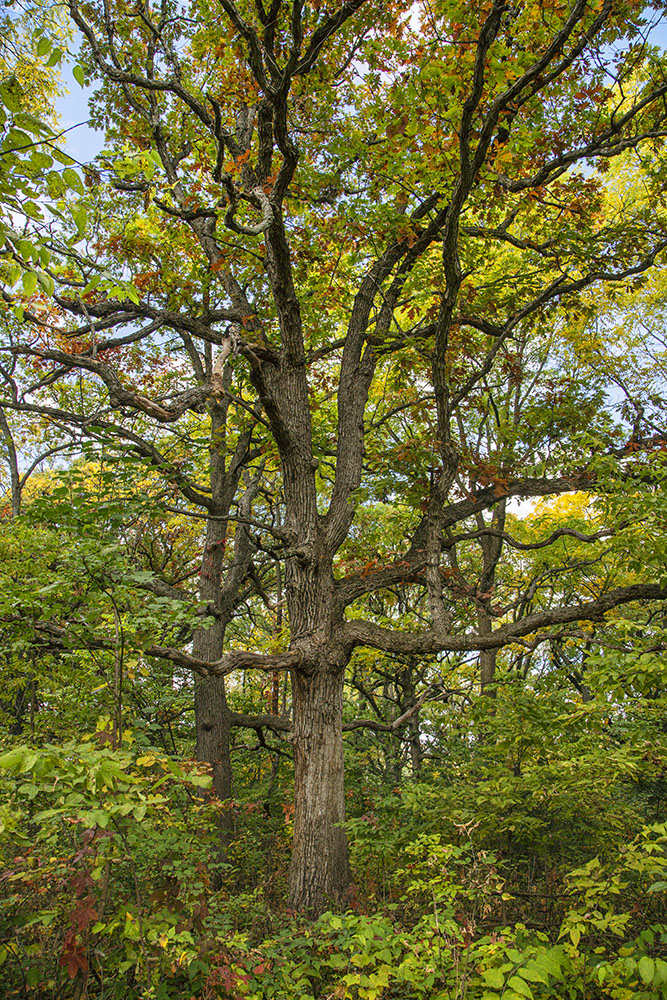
332, 403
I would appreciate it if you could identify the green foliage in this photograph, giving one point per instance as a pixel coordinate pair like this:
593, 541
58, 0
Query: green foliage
104, 851
110, 845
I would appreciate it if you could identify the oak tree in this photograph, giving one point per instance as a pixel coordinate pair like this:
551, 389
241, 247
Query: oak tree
362, 228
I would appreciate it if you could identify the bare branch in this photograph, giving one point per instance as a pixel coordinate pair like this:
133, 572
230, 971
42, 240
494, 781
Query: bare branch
364, 633
234, 660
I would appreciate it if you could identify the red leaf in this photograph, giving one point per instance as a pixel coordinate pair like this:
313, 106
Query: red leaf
73, 956
83, 916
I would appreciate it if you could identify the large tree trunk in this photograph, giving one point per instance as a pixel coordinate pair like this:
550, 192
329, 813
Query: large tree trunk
212, 723
319, 872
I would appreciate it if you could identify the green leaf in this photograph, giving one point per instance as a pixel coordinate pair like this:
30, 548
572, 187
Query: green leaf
32, 209
93, 283
79, 75
546, 964
15, 140
201, 780
46, 282
40, 160
532, 974
54, 58
98, 817
26, 249
25, 119
43, 46
13, 758
62, 157
646, 967
520, 986
56, 184
28, 762
29, 279
336, 961
11, 93
80, 217
660, 972
73, 180
131, 929
494, 977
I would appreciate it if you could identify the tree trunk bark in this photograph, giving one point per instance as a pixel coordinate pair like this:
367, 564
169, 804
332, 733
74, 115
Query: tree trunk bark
407, 698
492, 547
487, 657
12, 461
319, 872
213, 731
212, 716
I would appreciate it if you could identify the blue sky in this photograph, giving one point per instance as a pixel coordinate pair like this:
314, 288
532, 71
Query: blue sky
84, 143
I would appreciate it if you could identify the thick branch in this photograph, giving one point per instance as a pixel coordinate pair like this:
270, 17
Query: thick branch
234, 660
363, 633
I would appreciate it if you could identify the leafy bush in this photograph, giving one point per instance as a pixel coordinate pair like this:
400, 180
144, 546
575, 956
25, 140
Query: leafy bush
111, 891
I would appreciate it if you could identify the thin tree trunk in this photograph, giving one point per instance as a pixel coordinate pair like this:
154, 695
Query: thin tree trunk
487, 657
212, 717
277, 631
407, 698
492, 547
12, 461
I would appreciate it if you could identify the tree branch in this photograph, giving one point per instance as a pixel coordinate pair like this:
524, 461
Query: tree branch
234, 660
364, 633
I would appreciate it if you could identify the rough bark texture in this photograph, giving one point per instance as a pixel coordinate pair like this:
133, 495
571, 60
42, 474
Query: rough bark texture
212, 717
320, 872
213, 731
406, 703
12, 462
220, 580
492, 546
